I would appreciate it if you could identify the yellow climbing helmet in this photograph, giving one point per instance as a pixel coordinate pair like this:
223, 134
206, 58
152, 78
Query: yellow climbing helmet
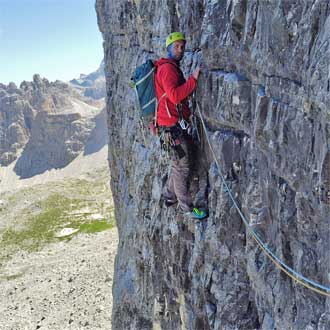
174, 36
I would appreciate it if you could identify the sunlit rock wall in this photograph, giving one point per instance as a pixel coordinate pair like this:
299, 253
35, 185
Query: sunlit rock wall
264, 93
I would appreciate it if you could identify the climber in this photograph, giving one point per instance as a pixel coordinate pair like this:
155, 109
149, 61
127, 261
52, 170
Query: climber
173, 119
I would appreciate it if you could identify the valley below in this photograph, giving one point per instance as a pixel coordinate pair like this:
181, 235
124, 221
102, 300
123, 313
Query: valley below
58, 235
57, 248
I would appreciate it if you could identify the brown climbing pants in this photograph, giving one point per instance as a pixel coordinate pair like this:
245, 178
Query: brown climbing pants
176, 186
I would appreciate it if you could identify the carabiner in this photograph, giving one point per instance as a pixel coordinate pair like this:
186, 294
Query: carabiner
183, 124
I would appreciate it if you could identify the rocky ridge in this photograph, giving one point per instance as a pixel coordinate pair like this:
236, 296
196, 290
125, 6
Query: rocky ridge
91, 85
265, 96
45, 125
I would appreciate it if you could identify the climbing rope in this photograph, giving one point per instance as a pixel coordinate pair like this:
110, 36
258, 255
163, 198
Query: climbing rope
316, 287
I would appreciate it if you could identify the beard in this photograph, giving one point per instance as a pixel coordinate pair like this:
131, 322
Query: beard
179, 57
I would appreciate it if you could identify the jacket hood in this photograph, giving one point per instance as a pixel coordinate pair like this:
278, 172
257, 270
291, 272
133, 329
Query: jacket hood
166, 60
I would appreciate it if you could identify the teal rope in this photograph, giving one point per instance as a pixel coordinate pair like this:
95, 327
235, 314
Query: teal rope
295, 275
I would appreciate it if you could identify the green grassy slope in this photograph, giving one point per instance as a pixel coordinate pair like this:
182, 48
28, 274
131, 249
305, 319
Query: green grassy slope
35, 216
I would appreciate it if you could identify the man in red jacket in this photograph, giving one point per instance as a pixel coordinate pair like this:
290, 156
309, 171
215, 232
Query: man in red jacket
173, 118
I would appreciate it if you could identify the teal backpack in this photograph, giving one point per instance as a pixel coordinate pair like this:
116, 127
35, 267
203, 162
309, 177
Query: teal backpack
143, 83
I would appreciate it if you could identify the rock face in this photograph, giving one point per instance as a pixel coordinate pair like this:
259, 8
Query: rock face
16, 116
265, 96
45, 125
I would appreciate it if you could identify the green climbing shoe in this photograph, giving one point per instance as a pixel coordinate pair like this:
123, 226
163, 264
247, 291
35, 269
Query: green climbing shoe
197, 213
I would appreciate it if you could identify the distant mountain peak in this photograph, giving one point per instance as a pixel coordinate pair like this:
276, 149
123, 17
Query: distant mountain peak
46, 124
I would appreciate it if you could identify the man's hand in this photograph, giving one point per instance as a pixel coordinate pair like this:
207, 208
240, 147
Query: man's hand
196, 73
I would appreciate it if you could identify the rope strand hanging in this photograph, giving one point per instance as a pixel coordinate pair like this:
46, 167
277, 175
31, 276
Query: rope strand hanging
299, 278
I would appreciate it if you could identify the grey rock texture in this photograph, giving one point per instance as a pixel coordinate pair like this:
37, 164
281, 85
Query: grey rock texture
45, 125
54, 142
265, 96
16, 116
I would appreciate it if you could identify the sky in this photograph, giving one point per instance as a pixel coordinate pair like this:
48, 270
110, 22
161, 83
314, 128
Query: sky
58, 39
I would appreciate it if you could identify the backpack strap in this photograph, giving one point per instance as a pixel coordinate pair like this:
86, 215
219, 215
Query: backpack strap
145, 77
151, 101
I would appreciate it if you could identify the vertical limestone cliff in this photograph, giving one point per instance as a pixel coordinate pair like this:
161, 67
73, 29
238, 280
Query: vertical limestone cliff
265, 96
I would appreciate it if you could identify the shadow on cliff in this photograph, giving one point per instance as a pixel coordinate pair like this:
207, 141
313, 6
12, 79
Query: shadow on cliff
34, 162
98, 137
57, 145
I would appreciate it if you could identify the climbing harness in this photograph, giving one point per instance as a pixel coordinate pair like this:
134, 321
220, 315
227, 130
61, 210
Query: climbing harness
299, 278
170, 138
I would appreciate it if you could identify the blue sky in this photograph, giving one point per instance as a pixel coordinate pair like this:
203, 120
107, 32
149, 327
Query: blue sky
59, 39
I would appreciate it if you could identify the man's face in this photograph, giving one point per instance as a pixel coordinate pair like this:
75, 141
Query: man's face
178, 49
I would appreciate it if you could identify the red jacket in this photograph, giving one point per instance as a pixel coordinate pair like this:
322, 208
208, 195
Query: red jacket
170, 80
